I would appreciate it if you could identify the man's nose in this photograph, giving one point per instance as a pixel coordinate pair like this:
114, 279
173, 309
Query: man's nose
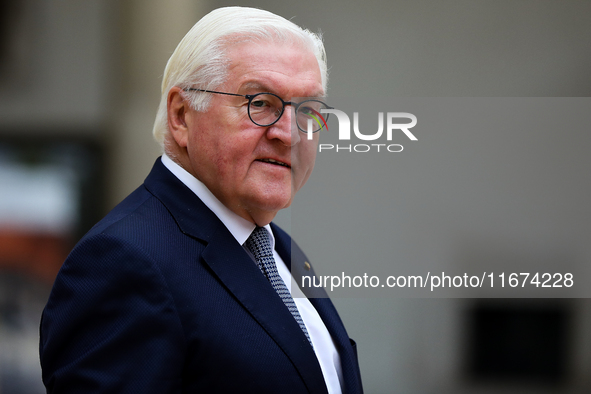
285, 129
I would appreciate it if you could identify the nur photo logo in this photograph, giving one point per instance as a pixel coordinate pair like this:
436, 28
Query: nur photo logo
396, 123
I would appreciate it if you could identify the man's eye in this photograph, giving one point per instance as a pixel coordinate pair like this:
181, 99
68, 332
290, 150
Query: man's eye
306, 110
259, 103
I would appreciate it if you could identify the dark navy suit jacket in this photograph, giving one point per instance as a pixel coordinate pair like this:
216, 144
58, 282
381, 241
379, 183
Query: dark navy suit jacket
160, 298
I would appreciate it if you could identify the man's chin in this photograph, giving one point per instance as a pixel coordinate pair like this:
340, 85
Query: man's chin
276, 204
265, 209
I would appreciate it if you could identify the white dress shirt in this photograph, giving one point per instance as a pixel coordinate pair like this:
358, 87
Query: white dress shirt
324, 347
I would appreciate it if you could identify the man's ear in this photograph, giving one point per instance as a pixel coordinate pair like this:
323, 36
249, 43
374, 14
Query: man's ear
178, 110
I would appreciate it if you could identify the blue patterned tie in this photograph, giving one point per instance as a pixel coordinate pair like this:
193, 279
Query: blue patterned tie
260, 246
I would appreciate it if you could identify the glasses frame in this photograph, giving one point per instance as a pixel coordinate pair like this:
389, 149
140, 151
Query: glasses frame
250, 97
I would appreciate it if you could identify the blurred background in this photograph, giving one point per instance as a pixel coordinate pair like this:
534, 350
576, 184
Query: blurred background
79, 88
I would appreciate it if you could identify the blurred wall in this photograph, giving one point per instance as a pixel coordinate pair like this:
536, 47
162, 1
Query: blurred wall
150, 31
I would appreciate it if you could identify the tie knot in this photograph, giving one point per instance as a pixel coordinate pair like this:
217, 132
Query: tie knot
259, 244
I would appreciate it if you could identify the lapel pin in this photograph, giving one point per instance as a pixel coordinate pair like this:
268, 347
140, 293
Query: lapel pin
307, 265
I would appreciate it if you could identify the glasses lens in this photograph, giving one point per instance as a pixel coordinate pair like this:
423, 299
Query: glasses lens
309, 113
265, 109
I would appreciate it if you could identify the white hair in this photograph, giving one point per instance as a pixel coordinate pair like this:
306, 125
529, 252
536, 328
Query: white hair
199, 59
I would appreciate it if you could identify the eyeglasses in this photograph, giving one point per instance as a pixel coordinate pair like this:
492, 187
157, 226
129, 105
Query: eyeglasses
265, 109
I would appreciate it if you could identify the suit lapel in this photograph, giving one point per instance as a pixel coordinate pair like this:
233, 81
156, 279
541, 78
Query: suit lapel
296, 260
244, 280
235, 269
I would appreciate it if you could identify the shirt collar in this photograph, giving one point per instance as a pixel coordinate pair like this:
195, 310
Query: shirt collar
239, 227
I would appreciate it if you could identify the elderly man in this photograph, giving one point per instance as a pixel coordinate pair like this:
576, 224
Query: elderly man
184, 286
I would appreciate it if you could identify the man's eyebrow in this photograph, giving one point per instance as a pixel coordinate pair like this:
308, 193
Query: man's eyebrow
260, 87
256, 86
319, 94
